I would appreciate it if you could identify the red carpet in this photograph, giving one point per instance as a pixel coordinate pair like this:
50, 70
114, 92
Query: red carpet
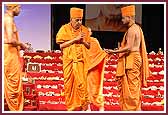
45, 90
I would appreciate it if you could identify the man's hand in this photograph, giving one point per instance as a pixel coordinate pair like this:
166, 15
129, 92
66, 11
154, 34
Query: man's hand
13, 41
109, 51
80, 38
24, 46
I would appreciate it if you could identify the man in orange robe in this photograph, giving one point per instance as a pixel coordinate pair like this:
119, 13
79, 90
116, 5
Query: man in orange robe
13, 89
74, 40
96, 61
132, 68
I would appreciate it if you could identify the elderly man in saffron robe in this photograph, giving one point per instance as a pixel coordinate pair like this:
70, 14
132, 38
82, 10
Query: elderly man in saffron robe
132, 68
74, 40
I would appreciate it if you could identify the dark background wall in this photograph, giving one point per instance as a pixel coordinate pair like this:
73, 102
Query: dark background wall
152, 26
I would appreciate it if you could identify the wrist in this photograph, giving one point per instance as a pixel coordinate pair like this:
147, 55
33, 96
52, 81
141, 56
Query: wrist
20, 44
82, 42
115, 51
73, 41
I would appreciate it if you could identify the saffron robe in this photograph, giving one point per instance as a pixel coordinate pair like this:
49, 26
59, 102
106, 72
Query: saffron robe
133, 70
75, 67
96, 61
13, 88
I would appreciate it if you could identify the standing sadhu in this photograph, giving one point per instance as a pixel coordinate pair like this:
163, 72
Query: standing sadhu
132, 68
13, 89
96, 61
74, 40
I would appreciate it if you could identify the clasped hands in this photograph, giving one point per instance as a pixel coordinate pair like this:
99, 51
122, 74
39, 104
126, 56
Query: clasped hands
80, 38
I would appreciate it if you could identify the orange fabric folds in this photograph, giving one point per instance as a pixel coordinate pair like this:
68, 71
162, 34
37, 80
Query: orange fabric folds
129, 84
132, 71
12, 78
145, 64
96, 61
74, 68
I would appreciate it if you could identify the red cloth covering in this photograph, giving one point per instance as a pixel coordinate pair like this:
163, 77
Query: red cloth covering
45, 61
150, 100
61, 107
51, 98
94, 107
112, 108
110, 83
156, 77
110, 68
46, 82
157, 84
113, 56
32, 74
30, 108
151, 56
160, 56
44, 90
105, 91
111, 99
157, 62
152, 92
109, 76
152, 108
52, 107
115, 92
111, 62
154, 69
52, 54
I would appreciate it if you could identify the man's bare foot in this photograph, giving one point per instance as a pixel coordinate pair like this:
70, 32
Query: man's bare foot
101, 108
88, 109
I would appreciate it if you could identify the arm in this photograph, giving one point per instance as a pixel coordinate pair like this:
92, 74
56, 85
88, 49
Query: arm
86, 44
130, 41
125, 49
67, 44
78, 39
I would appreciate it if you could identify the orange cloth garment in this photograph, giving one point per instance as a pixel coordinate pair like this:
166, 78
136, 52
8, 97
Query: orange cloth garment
74, 67
145, 63
76, 12
133, 70
13, 88
128, 10
96, 61
129, 85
